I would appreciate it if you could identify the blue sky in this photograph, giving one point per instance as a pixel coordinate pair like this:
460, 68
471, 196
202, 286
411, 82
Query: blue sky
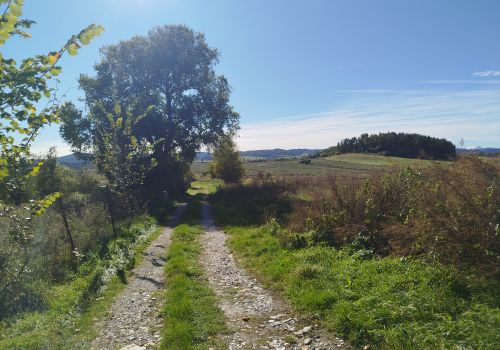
308, 73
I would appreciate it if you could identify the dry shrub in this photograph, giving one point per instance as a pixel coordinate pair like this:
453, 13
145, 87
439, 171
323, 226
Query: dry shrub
450, 212
460, 212
256, 201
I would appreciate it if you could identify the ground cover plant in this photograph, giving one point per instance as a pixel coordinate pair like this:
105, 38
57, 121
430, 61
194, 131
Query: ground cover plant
387, 303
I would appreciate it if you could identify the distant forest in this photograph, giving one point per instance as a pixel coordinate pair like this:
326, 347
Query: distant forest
397, 145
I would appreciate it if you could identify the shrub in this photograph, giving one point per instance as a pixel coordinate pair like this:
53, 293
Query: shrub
449, 212
227, 164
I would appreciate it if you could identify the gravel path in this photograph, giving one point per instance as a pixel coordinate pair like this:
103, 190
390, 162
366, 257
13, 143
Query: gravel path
259, 319
133, 321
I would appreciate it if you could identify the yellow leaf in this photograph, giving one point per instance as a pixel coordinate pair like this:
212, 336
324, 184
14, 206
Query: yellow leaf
72, 49
15, 9
36, 168
118, 109
53, 58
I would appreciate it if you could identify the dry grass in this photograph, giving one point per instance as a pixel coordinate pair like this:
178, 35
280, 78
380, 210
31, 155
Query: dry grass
448, 212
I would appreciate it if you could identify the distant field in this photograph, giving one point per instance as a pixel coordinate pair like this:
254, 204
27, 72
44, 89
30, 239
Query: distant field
344, 164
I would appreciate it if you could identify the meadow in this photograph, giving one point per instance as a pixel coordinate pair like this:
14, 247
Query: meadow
352, 164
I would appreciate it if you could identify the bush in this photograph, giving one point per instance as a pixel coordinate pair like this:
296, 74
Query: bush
449, 212
227, 164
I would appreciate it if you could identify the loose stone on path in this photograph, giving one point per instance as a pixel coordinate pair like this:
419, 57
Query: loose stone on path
259, 319
133, 322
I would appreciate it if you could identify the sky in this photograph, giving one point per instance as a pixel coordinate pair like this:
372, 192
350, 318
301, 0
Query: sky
306, 74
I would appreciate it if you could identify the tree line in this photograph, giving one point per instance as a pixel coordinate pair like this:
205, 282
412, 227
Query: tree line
404, 145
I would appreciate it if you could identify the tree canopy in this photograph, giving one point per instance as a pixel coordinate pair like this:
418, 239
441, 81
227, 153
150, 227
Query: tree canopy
168, 78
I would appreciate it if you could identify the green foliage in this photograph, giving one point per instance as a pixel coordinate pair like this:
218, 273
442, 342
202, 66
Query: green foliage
67, 320
445, 211
49, 177
118, 153
192, 318
23, 86
170, 74
227, 164
31, 249
436, 289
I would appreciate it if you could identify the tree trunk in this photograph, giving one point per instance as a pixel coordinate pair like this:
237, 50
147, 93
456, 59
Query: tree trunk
110, 209
130, 208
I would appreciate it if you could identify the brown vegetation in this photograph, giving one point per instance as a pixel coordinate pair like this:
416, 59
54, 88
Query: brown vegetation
448, 212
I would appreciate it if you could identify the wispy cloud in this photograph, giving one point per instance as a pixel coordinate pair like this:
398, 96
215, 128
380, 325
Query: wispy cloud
473, 115
461, 81
487, 74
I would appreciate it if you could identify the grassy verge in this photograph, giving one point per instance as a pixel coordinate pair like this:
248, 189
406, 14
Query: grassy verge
204, 187
68, 320
389, 303
192, 318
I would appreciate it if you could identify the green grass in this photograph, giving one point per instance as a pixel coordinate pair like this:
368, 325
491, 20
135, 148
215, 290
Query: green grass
204, 186
62, 326
341, 165
192, 318
365, 159
389, 303
73, 309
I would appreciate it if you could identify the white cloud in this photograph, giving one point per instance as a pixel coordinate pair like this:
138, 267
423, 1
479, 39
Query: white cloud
471, 115
487, 73
460, 81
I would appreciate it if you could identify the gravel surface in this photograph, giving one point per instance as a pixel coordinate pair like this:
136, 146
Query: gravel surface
258, 318
134, 321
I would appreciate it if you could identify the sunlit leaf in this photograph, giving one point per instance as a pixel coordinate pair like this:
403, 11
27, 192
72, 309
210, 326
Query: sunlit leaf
72, 49
15, 9
53, 58
36, 168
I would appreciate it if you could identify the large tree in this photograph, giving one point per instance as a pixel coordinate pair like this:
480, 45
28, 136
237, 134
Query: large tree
170, 75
